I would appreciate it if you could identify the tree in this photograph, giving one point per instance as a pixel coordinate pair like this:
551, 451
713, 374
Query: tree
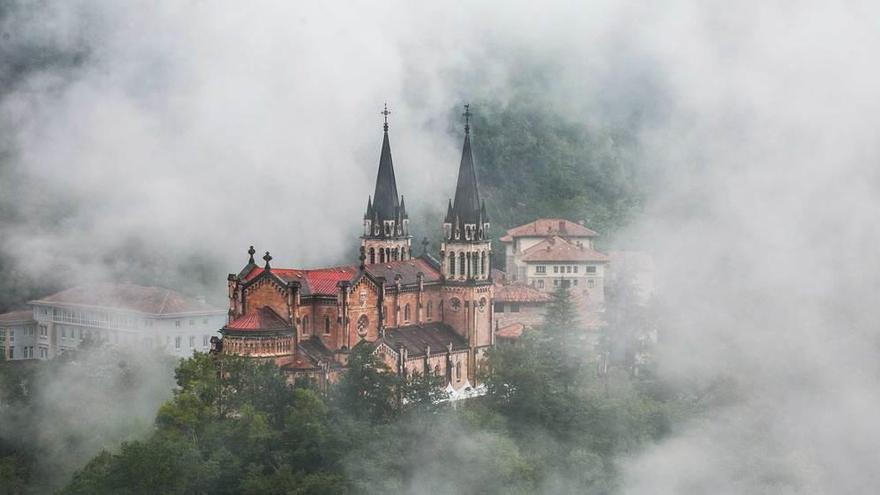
368, 389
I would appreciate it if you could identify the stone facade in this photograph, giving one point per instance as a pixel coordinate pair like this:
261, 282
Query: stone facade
414, 312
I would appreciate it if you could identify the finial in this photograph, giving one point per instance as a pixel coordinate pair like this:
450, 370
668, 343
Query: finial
252, 252
386, 113
467, 118
425, 245
267, 258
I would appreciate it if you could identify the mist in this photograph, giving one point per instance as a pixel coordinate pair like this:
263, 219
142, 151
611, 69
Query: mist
188, 131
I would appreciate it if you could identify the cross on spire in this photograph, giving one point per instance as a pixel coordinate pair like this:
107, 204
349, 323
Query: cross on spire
467, 118
267, 258
252, 252
386, 113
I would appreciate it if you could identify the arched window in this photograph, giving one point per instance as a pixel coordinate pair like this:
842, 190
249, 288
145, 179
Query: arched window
436, 370
403, 253
429, 308
326, 325
452, 263
458, 371
483, 262
461, 264
381, 255
362, 324
305, 325
396, 254
406, 312
372, 255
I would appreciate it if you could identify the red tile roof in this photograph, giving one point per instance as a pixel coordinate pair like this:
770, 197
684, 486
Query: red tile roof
320, 281
149, 300
549, 226
264, 318
512, 331
519, 292
17, 317
558, 249
408, 271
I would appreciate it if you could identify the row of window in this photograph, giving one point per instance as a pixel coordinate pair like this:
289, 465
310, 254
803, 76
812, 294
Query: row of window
542, 269
499, 307
178, 340
468, 264
591, 283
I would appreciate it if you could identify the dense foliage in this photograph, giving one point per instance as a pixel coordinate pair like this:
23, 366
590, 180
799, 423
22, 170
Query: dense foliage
546, 424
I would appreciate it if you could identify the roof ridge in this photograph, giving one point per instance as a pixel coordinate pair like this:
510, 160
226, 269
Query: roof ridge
164, 302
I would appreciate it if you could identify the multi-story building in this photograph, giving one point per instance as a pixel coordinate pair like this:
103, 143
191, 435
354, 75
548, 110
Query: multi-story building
549, 253
418, 313
119, 314
18, 339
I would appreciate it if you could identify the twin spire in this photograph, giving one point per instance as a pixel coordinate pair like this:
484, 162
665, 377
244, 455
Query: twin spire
387, 206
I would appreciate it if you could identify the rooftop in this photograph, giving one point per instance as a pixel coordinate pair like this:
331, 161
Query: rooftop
556, 248
512, 331
549, 227
156, 301
319, 281
518, 292
17, 317
264, 318
408, 271
417, 337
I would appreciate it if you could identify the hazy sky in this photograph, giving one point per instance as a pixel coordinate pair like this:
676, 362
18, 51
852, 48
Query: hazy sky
207, 126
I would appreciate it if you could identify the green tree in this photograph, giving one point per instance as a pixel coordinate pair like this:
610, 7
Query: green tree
368, 389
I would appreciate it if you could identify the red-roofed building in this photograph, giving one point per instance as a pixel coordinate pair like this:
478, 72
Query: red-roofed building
547, 253
389, 298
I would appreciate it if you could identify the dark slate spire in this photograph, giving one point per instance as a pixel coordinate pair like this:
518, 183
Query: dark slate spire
369, 212
467, 196
386, 200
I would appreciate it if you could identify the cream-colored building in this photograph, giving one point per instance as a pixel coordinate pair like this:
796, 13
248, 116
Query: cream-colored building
550, 252
119, 314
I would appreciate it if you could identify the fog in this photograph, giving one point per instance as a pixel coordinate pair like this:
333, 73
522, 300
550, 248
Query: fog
194, 129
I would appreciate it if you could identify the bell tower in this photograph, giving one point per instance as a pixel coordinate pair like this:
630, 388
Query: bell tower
466, 260
386, 224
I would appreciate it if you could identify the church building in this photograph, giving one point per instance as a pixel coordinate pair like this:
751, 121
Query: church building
417, 313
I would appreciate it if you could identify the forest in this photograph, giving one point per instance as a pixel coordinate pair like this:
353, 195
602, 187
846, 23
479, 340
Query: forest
550, 422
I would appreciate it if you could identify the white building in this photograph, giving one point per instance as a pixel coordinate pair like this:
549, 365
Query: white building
120, 314
550, 252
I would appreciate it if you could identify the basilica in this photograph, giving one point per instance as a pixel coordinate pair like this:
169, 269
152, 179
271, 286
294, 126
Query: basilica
417, 313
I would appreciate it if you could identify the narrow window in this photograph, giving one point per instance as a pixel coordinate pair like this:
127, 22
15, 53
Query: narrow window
372, 256
555, 269
461, 264
177, 343
540, 284
326, 325
429, 309
499, 307
192, 341
452, 263
514, 307
406, 312
305, 325
381, 255
458, 371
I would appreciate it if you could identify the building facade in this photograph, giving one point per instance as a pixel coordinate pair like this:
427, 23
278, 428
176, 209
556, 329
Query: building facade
418, 313
118, 314
549, 253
